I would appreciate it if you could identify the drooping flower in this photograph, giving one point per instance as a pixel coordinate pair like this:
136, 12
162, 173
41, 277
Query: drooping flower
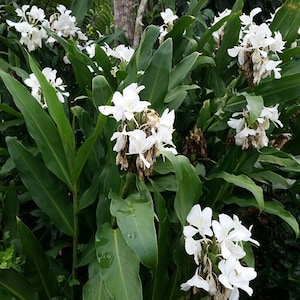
195, 281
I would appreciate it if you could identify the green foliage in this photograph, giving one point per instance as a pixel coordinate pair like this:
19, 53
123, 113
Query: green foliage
74, 225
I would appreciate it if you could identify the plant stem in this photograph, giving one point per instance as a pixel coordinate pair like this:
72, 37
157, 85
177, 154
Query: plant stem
75, 242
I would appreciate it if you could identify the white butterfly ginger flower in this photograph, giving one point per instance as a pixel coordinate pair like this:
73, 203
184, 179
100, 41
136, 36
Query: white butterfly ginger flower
125, 104
56, 83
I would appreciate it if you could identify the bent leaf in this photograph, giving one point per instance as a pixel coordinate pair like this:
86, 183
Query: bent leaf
135, 218
245, 182
271, 207
119, 266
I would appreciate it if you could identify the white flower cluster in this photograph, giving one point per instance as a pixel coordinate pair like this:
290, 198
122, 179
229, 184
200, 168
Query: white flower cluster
254, 134
56, 83
143, 132
258, 49
33, 24
168, 17
217, 250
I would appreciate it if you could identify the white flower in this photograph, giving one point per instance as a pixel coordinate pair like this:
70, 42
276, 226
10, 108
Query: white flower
164, 130
56, 83
120, 52
121, 138
63, 24
126, 104
139, 143
247, 20
200, 221
36, 14
168, 16
233, 274
272, 114
193, 247
278, 44
196, 281
241, 137
124, 53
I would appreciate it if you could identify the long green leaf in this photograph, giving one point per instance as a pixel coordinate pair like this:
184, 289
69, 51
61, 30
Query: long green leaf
94, 289
119, 266
287, 21
135, 217
80, 8
281, 90
57, 113
156, 77
182, 69
36, 266
271, 207
41, 128
46, 190
16, 285
189, 186
245, 182
140, 59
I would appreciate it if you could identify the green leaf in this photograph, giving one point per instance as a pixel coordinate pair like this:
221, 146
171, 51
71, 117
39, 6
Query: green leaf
57, 113
142, 55
36, 266
287, 21
156, 77
256, 105
102, 91
16, 285
176, 96
10, 209
135, 218
86, 148
281, 90
41, 128
189, 186
244, 182
119, 266
180, 26
195, 6
79, 9
271, 207
229, 40
94, 289
185, 66
46, 190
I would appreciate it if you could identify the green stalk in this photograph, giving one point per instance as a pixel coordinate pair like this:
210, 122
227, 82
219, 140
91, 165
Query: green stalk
74, 280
